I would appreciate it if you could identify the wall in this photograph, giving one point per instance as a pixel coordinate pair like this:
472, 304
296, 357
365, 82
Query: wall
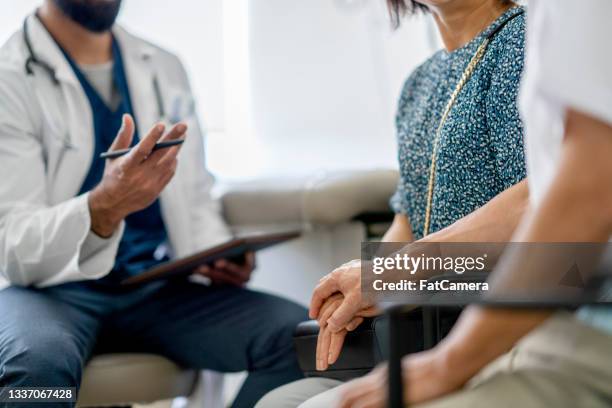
325, 76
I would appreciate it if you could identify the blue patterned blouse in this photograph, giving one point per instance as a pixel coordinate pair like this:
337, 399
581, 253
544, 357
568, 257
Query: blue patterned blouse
481, 145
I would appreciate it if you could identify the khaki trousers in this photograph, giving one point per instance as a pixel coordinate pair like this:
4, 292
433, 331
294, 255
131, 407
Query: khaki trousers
563, 364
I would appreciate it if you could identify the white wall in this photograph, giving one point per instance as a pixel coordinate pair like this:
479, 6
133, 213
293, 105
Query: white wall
194, 30
13, 13
325, 76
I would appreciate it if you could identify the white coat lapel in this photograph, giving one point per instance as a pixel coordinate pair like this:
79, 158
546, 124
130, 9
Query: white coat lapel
68, 132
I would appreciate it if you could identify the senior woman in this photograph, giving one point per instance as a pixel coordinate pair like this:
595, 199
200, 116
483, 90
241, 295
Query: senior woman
461, 159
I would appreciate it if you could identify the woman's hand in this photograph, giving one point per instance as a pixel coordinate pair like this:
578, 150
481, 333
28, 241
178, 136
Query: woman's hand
329, 343
345, 280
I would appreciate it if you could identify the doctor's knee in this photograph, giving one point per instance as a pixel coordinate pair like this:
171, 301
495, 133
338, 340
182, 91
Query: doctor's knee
28, 360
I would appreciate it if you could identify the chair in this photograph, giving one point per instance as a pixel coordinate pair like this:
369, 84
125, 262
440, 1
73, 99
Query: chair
124, 379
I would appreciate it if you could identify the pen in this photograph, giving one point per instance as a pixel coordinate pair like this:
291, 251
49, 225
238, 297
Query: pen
161, 145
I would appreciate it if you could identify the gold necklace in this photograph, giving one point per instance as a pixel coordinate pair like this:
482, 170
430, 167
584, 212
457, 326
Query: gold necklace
432, 168
464, 78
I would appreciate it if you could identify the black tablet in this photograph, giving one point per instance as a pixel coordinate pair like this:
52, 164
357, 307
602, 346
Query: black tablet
232, 250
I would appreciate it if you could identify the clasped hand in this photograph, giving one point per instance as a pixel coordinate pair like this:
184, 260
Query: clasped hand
338, 305
339, 308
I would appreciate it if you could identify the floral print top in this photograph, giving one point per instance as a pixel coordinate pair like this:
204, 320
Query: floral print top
480, 151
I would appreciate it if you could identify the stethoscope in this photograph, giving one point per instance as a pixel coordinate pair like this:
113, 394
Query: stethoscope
33, 59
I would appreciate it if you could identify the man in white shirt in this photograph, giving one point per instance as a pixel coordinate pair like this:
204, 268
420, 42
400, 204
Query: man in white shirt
560, 359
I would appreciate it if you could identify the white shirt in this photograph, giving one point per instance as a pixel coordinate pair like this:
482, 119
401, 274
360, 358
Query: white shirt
568, 65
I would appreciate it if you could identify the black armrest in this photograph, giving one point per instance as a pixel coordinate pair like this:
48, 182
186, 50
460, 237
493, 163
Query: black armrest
363, 348
359, 355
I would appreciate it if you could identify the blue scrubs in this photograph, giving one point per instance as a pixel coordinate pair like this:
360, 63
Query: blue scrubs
144, 230
47, 335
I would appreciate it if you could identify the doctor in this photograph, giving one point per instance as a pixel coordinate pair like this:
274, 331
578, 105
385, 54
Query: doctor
73, 226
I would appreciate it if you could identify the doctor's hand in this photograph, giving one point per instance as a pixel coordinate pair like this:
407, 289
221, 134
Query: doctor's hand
224, 272
134, 181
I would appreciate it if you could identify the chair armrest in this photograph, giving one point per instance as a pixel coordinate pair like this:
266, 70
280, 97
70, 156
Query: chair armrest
363, 348
359, 353
322, 199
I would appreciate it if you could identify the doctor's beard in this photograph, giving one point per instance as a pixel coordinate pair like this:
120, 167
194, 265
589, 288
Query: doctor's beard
94, 15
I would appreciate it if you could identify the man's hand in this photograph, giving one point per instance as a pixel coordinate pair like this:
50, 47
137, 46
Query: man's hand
224, 272
427, 376
345, 280
134, 181
329, 343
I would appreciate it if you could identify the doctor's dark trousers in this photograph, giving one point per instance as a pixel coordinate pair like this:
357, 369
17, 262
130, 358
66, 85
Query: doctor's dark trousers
48, 335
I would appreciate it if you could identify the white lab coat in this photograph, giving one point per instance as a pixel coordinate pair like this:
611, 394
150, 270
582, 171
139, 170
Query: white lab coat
46, 147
